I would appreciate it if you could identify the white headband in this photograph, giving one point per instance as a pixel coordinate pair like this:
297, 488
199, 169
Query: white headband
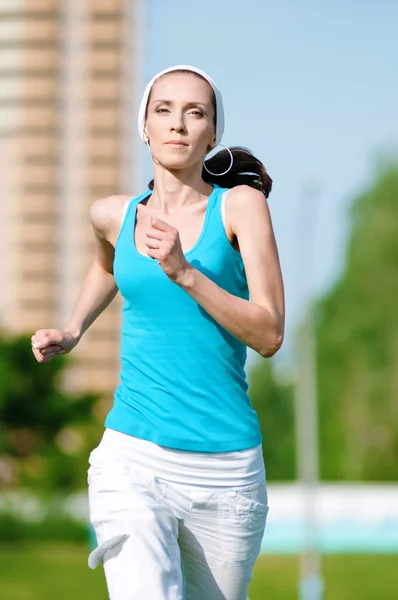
217, 93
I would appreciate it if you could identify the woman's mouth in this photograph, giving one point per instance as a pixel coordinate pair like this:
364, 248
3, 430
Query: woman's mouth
175, 144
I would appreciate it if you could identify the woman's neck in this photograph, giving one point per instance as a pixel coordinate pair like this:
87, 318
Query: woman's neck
171, 191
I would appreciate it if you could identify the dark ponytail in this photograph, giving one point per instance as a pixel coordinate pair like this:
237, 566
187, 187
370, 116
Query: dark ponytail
246, 170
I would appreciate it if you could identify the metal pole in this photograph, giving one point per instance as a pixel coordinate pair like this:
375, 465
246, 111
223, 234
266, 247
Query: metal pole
73, 151
311, 583
134, 65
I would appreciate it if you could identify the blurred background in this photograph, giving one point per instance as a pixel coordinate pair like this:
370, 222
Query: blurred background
311, 89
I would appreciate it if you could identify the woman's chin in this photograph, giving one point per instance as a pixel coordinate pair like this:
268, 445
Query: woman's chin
177, 163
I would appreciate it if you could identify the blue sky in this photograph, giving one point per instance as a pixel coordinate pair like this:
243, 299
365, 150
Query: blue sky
312, 90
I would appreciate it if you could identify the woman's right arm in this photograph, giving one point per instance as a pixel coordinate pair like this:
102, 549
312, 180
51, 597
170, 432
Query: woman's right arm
99, 286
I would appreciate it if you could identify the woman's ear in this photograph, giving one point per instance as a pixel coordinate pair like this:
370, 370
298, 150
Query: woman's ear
213, 143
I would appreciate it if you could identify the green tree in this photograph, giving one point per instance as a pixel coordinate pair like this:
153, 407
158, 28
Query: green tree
45, 433
357, 338
273, 402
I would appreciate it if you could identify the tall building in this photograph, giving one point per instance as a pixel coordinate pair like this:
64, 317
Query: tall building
69, 71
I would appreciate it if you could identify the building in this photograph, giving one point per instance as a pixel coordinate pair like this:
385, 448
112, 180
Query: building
69, 75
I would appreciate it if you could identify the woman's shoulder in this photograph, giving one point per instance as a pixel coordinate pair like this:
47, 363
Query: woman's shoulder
106, 212
240, 197
243, 192
244, 203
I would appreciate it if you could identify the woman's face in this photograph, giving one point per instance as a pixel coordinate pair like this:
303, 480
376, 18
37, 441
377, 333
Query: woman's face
180, 108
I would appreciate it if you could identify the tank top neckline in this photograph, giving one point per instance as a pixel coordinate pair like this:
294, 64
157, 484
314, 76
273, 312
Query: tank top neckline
201, 235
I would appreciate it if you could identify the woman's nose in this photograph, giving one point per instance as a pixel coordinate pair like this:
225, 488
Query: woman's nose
178, 123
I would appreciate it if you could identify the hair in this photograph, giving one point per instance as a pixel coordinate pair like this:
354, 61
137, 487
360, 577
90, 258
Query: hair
246, 168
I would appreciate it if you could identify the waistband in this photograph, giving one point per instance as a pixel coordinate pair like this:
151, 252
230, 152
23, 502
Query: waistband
215, 469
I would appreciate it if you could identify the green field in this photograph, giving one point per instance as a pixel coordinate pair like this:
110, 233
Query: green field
59, 571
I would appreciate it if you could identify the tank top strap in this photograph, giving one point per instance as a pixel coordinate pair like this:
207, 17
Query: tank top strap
216, 218
129, 211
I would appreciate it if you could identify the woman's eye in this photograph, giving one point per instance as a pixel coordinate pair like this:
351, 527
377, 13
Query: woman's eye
192, 112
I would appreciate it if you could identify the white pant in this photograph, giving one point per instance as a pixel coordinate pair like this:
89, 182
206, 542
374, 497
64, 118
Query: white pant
175, 525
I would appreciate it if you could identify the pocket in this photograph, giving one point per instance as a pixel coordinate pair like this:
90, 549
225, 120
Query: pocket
105, 477
242, 520
251, 514
116, 495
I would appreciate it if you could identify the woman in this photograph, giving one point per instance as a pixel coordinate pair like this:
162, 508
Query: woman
177, 487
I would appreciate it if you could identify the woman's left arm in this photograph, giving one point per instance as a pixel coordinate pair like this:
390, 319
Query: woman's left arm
260, 322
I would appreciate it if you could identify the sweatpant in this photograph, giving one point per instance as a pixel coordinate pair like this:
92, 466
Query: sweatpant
172, 524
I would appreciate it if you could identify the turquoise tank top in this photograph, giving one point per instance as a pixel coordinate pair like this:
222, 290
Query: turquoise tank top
182, 382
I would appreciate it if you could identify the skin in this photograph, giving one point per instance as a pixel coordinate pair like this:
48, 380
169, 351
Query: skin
170, 222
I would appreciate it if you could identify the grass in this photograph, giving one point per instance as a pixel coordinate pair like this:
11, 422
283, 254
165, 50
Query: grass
47, 571
346, 577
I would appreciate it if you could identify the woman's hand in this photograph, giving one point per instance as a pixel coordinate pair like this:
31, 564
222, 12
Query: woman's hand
163, 242
47, 343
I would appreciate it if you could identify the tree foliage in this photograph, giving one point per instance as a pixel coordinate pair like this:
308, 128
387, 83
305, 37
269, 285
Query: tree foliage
273, 402
44, 431
357, 336
357, 356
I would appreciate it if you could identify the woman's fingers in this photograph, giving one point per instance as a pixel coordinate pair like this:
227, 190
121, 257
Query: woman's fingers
47, 343
47, 337
47, 358
46, 354
41, 338
36, 354
48, 349
152, 243
50, 356
155, 233
161, 225
53, 349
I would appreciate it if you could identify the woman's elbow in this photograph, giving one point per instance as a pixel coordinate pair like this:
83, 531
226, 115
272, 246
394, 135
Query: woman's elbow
272, 347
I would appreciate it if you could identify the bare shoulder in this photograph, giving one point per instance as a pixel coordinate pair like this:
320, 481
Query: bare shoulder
242, 195
243, 204
106, 213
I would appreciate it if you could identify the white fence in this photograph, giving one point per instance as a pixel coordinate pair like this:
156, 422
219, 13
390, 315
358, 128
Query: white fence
348, 518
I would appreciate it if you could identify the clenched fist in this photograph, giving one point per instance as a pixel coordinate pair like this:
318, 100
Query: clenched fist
163, 242
47, 343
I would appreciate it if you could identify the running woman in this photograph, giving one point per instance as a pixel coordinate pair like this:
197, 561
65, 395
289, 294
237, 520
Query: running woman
177, 486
